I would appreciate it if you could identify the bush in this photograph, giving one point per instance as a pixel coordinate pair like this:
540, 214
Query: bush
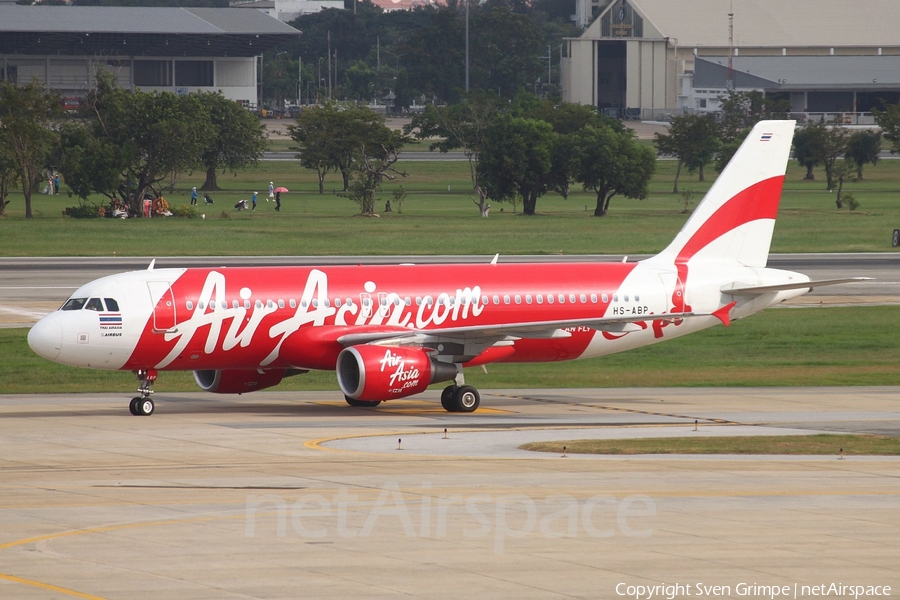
184, 211
85, 210
852, 202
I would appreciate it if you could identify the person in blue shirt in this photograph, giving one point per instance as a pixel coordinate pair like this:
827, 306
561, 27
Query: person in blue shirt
193, 196
253, 202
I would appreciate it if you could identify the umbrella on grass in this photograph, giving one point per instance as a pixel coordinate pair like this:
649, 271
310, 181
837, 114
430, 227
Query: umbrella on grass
282, 189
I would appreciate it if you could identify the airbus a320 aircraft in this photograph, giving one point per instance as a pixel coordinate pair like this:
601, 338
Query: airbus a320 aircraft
391, 331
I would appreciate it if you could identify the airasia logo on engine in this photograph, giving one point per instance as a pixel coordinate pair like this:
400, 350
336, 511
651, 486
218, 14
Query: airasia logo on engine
402, 376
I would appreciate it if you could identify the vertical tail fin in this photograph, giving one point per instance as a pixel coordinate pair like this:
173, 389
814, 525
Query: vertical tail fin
736, 218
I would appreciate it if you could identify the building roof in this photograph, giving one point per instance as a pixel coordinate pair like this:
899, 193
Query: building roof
800, 72
769, 23
118, 30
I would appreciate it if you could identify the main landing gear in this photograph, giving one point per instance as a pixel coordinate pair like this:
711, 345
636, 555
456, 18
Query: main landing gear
462, 398
142, 405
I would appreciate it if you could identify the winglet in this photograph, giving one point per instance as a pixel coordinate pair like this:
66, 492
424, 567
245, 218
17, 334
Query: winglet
496, 257
724, 314
152, 264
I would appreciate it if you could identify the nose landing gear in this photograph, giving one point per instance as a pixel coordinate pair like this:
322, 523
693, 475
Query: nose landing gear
142, 405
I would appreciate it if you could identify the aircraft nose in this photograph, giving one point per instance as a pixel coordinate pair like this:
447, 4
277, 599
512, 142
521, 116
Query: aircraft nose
45, 338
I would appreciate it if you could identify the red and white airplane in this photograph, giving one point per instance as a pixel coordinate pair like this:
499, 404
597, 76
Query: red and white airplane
391, 331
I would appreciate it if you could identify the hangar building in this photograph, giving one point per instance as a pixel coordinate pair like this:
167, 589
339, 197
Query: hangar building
178, 50
652, 58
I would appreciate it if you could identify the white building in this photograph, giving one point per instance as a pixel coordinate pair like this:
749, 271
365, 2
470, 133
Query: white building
288, 10
661, 57
179, 50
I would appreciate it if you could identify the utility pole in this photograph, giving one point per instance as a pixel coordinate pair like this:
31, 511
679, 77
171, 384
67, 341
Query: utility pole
467, 46
729, 84
329, 65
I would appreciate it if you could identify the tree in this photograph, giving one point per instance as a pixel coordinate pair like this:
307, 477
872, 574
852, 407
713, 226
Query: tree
237, 137
379, 149
26, 129
693, 140
8, 171
129, 141
517, 158
611, 162
329, 138
863, 148
463, 126
808, 145
834, 145
889, 121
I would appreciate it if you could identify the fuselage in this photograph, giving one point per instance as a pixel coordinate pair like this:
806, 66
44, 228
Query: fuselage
271, 317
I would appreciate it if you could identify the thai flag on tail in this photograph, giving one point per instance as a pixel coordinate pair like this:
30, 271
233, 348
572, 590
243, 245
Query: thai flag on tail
765, 137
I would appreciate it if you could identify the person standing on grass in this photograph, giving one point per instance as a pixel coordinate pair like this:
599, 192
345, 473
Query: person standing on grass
56, 183
193, 196
271, 191
277, 200
253, 201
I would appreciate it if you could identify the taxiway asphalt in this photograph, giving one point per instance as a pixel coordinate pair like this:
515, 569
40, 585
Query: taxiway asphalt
289, 495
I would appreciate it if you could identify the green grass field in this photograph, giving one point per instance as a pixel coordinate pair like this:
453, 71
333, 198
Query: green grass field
779, 347
439, 218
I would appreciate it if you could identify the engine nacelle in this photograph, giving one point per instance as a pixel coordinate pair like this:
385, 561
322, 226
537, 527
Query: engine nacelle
237, 381
373, 373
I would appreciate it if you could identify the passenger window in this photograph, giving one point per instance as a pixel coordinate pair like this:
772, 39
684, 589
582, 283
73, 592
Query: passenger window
337, 303
583, 299
572, 298
484, 300
528, 299
212, 304
540, 299
280, 303
94, 304
74, 304
549, 298
562, 299
111, 305
293, 303
605, 299
594, 298
247, 304
518, 299
496, 299
190, 305
505, 299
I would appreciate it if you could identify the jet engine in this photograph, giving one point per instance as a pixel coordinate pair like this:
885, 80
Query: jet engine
373, 373
237, 381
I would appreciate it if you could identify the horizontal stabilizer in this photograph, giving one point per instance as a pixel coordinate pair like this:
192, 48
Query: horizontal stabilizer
799, 285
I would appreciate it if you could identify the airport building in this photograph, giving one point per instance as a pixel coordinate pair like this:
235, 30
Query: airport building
656, 58
179, 50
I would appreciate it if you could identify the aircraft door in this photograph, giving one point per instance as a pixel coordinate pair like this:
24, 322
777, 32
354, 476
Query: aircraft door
163, 306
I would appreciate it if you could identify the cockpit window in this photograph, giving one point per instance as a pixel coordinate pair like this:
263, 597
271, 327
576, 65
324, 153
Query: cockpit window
94, 304
74, 304
111, 304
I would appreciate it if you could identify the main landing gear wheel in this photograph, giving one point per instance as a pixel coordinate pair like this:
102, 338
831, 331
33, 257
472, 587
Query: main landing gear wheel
133, 407
464, 398
447, 398
362, 403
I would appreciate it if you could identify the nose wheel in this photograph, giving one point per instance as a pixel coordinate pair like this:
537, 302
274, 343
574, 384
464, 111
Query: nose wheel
142, 405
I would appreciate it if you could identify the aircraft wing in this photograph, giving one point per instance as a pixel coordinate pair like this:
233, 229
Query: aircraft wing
506, 331
755, 290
